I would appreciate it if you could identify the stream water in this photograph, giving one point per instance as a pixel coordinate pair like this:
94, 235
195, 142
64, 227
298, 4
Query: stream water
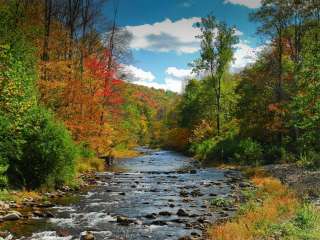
160, 195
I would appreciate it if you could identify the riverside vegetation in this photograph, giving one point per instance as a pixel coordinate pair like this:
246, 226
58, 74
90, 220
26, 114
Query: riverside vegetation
65, 101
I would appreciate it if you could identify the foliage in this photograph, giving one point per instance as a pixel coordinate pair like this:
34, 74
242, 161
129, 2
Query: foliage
48, 153
249, 152
274, 101
220, 202
270, 204
217, 42
35, 149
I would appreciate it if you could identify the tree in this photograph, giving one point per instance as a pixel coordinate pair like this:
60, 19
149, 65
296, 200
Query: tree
217, 41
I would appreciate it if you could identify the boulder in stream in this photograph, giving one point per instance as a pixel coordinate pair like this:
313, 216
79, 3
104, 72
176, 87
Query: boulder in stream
182, 213
12, 216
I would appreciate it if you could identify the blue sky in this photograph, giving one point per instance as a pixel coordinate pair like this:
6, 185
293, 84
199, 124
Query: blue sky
164, 36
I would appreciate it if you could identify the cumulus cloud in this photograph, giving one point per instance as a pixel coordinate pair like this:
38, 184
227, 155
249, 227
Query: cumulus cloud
178, 72
245, 55
165, 36
246, 3
173, 81
169, 84
137, 74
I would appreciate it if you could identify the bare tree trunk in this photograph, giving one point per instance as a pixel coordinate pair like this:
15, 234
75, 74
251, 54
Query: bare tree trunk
107, 82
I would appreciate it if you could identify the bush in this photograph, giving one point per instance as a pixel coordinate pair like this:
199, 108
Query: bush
204, 149
48, 152
35, 150
249, 152
5, 150
309, 159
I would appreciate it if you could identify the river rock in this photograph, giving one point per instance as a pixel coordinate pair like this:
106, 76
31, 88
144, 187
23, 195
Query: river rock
184, 193
4, 205
5, 235
151, 216
124, 220
165, 213
38, 213
86, 236
196, 193
185, 238
182, 213
159, 223
12, 216
46, 204
195, 234
244, 184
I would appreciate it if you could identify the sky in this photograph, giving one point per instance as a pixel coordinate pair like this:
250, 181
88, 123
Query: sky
164, 41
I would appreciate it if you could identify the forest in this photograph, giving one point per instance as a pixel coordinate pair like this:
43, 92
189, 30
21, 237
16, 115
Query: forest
67, 102
269, 111
64, 97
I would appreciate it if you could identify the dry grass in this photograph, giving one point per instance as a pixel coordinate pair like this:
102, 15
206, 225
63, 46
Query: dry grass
125, 153
20, 196
271, 204
90, 164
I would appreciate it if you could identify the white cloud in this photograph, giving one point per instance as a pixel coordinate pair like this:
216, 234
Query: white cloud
245, 55
178, 72
137, 74
246, 3
165, 36
170, 84
174, 80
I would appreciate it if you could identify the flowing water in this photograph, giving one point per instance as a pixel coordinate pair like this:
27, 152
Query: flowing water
142, 202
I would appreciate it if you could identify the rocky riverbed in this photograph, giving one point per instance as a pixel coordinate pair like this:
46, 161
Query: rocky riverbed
305, 182
160, 195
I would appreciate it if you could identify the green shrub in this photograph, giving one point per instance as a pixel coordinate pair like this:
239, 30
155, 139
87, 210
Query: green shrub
203, 149
85, 151
309, 159
48, 153
35, 150
220, 202
249, 152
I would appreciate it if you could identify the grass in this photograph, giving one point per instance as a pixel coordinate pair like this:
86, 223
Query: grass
271, 212
19, 196
90, 164
125, 153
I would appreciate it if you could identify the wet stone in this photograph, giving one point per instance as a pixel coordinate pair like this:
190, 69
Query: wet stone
151, 216
87, 236
165, 213
182, 213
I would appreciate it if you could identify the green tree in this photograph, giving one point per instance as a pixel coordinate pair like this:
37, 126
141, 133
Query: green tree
217, 41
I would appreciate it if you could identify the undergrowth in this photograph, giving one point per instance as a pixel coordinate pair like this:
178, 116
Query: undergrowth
271, 211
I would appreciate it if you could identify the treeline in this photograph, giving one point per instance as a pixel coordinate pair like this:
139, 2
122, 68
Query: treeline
63, 98
270, 111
